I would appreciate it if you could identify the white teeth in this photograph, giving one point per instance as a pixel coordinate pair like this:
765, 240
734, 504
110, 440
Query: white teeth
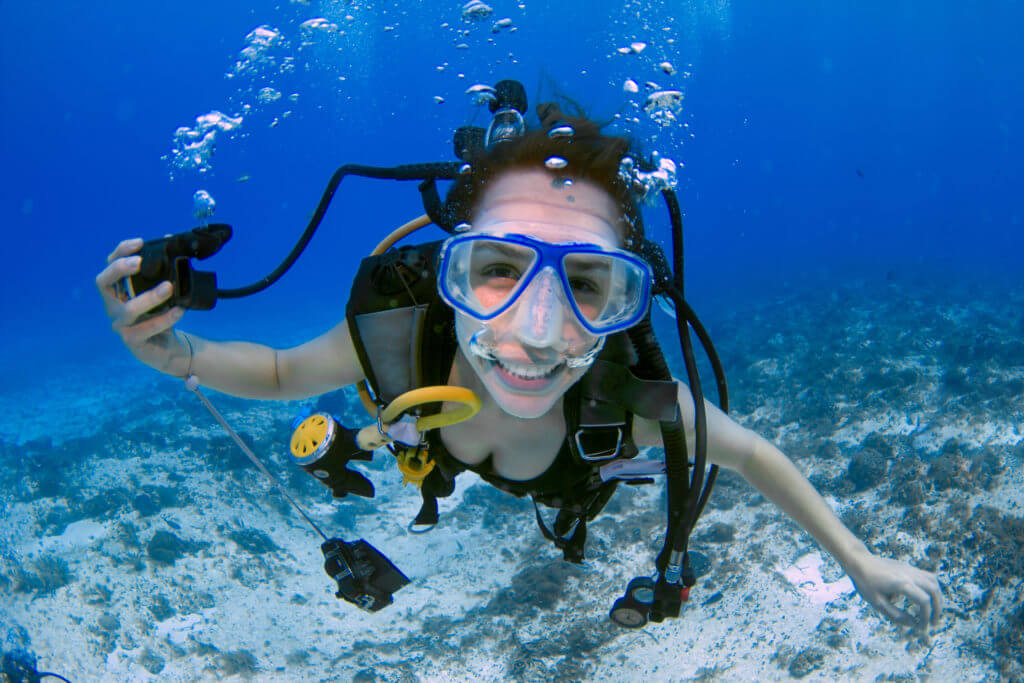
527, 371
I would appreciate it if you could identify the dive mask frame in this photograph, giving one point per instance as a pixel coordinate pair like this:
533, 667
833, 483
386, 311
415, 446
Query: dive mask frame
547, 255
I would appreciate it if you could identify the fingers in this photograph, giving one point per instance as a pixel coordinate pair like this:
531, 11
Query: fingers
110, 276
925, 611
144, 302
935, 593
883, 603
124, 248
897, 616
120, 265
121, 268
140, 332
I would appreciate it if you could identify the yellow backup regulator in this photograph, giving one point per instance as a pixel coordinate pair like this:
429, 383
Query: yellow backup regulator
323, 447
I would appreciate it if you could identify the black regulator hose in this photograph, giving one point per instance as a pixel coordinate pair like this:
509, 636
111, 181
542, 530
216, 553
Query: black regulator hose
700, 418
676, 291
435, 171
652, 366
709, 348
723, 391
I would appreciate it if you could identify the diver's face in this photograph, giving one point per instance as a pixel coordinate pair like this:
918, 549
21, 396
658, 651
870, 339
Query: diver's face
532, 340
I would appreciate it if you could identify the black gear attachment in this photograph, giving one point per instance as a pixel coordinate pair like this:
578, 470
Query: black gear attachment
332, 469
365, 577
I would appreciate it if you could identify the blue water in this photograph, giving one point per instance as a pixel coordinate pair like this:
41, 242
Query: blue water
785, 107
825, 143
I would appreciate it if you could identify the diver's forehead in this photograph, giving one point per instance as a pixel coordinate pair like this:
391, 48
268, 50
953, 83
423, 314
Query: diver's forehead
548, 208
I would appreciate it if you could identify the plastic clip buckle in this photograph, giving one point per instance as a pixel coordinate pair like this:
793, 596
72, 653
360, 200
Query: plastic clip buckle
601, 455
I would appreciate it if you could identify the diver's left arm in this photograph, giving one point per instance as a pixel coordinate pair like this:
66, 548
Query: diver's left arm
768, 470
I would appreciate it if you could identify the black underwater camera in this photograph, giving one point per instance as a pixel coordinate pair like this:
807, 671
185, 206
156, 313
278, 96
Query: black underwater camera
170, 258
365, 577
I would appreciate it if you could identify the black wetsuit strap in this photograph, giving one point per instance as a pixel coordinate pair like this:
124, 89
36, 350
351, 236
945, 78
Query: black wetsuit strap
569, 532
615, 385
440, 483
565, 523
427, 516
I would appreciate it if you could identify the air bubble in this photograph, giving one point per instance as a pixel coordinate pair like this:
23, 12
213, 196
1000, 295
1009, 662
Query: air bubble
203, 205
482, 94
268, 95
475, 10
555, 163
663, 106
562, 132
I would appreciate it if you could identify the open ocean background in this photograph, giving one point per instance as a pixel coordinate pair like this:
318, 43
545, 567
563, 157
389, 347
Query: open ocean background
851, 178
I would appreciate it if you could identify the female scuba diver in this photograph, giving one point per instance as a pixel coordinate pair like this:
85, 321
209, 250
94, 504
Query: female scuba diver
538, 291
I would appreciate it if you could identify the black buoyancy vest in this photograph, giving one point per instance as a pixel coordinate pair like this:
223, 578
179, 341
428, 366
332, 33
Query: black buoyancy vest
404, 336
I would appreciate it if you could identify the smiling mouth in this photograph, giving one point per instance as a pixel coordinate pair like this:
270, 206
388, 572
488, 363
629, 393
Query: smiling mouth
527, 371
525, 376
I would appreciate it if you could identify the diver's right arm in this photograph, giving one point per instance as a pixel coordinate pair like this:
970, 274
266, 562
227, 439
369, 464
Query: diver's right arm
242, 369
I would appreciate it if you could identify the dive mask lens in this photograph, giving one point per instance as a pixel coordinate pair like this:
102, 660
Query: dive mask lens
608, 291
483, 276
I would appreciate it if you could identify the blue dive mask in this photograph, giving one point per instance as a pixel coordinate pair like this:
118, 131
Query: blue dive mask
484, 275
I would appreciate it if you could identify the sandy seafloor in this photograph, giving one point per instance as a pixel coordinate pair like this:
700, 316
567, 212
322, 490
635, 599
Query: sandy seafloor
901, 400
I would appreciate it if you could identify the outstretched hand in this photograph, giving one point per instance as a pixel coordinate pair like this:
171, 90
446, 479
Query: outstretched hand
149, 337
882, 582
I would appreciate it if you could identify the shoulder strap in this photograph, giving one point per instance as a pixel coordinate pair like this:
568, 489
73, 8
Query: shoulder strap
398, 324
599, 408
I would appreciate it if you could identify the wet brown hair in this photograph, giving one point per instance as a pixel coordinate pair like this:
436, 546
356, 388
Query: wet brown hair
589, 155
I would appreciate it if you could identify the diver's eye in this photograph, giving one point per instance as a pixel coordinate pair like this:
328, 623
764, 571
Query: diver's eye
501, 271
585, 286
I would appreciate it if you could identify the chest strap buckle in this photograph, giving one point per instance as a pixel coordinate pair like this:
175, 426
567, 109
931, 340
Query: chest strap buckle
598, 447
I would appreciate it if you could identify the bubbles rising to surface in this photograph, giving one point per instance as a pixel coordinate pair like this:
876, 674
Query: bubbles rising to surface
267, 95
260, 53
335, 51
193, 147
203, 206
664, 106
475, 10
648, 184
312, 30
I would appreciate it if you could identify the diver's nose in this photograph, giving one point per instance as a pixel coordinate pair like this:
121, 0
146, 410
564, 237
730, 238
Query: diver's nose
538, 320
